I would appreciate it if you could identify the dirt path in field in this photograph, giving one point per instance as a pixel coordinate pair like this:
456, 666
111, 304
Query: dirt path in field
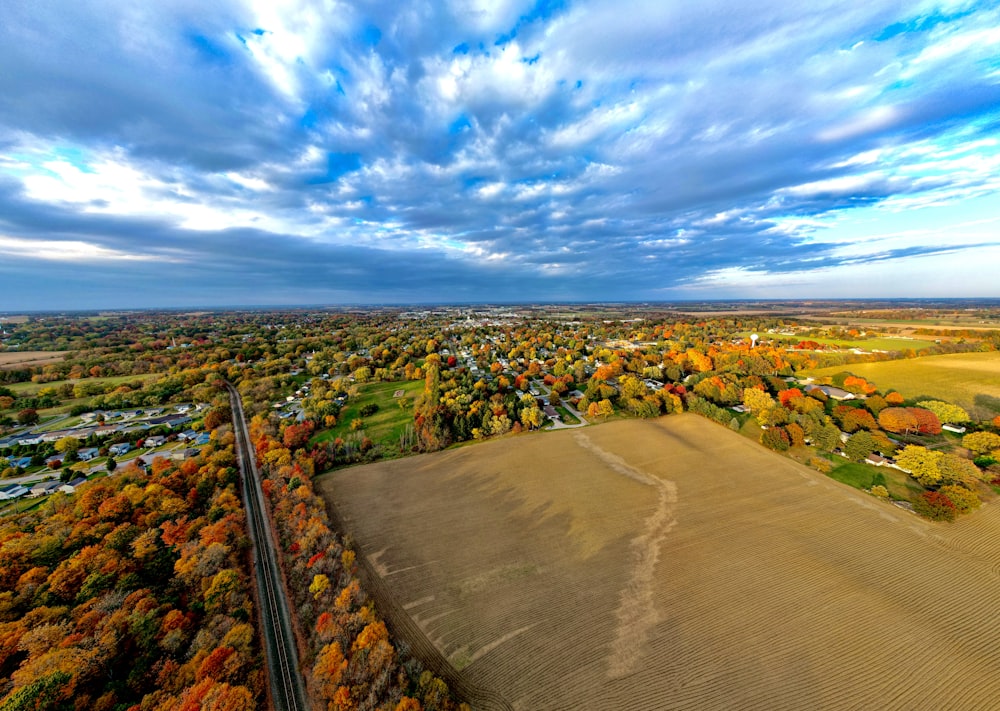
636, 615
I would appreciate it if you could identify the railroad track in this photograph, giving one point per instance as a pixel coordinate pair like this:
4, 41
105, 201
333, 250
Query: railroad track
288, 691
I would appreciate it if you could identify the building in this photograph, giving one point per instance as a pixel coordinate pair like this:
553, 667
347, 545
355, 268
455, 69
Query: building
116, 450
71, 487
14, 491
85, 455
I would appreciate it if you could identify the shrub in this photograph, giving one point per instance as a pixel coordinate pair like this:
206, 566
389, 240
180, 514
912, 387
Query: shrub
369, 409
820, 464
935, 506
880, 491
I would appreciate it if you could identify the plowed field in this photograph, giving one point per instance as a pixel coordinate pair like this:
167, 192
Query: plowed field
672, 564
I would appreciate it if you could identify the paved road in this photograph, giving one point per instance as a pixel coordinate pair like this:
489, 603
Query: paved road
288, 691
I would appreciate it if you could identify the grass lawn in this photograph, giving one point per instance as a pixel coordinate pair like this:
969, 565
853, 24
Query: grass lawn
567, 416
386, 425
862, 476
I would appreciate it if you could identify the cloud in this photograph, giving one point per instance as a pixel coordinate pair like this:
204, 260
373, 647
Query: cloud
512, 150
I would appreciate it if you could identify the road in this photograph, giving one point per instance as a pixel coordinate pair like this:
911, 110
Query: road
288, 691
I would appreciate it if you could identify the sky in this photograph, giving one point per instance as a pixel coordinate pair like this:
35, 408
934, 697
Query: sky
184, 153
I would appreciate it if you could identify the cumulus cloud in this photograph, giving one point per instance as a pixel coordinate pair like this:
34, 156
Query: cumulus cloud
476, 151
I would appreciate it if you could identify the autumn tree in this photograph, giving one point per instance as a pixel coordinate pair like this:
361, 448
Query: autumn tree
921, 463
897, 419
757, 400
981, 442
945, 411
935, 506
28, 416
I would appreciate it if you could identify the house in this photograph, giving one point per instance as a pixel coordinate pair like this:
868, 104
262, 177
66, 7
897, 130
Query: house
85, 455
71, 487
175, 422
550, 412
203, 438
14, 491
876, 460
154, 441
116, 450
958, 429
44, 488
21, 463
187, 435
183, 408
832, 392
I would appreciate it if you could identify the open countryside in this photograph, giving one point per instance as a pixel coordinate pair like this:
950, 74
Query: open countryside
672, 563
962, 378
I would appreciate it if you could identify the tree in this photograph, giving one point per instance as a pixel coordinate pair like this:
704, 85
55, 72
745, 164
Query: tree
927, 421
859, 446
957, 470
921, 463
757, 400
775, 438
897, 419
981, 442
965, 500
828, 437
935, 506
68, 445
945, 411
28, 416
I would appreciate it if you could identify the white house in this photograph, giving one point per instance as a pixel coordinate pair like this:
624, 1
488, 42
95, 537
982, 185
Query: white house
71, 487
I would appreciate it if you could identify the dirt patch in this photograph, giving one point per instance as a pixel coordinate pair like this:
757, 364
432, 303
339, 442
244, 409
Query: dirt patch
674, 564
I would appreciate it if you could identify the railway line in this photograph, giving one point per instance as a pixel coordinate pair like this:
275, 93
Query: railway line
288, 691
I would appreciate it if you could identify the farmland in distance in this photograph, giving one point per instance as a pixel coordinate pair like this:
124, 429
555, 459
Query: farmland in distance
673, 564
966, 379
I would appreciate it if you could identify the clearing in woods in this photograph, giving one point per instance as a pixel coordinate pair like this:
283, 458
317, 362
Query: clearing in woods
966, 379
673, 564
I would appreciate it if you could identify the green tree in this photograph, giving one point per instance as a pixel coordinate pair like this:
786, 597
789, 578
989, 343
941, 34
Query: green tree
827, 437
859, 446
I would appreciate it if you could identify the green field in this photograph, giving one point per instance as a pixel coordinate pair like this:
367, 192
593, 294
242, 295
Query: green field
386, 425
971, 380
863, 476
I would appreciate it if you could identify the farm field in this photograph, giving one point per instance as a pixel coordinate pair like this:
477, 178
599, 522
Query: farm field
673, 564
957, 378
29, 359
867, 344
29, 389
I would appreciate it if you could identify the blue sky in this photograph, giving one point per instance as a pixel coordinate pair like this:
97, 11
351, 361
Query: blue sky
236, 153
